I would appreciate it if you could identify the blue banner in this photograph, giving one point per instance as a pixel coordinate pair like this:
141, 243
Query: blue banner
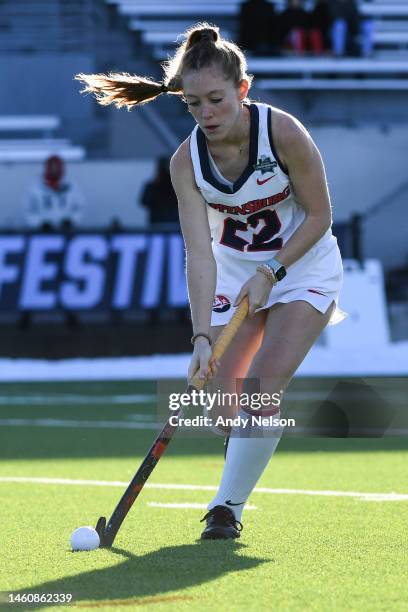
91, 271
97, 271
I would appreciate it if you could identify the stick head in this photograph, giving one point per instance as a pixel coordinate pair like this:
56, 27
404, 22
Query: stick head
100, 530
106, 534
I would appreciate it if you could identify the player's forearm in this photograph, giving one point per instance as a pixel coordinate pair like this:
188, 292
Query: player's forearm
201, 282
304, 238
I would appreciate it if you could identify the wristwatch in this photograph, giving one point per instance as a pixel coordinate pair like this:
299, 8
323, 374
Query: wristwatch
278, 269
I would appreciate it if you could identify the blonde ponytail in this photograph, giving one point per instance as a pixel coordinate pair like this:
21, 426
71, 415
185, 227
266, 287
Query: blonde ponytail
123, 89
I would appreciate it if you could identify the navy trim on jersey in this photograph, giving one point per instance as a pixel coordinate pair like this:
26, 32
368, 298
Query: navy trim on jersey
276, 156
208, 174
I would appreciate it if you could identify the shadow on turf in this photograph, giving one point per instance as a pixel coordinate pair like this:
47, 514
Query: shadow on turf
162, 571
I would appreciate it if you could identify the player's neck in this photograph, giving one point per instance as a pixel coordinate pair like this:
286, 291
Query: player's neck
238, 136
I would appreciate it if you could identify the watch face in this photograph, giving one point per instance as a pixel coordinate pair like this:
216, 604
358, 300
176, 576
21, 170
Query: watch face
280, 273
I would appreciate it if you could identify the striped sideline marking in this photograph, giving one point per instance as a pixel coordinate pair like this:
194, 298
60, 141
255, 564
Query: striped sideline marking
189, 487
73, 398
79, 423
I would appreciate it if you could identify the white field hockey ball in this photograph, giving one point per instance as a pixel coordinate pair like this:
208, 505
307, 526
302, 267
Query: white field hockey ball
85, 538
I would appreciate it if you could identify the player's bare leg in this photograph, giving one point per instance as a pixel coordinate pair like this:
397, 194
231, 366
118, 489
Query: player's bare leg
290, 332
235, 363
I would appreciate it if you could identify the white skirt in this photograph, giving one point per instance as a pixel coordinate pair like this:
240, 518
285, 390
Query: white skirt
315, 278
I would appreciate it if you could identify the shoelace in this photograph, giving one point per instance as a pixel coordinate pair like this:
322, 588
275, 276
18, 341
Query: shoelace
237, 524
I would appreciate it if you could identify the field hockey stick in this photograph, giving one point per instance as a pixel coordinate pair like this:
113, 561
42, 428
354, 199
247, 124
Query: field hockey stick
107, 532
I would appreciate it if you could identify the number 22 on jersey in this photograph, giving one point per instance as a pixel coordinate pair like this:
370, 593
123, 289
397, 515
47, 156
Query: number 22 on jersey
262, 239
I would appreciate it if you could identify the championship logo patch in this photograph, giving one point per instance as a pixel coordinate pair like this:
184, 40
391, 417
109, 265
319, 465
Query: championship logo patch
265, 164
221, 303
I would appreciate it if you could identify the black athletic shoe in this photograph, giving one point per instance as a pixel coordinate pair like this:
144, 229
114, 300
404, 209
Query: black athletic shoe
221, 524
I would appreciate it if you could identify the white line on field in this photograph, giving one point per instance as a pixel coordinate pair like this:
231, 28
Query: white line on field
78, 423
189, 487
139, 416
62, 398
187, 505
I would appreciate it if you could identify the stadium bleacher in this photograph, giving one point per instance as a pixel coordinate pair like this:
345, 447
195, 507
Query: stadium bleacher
47, 124
43, 25
26, 147
356, 73
160, 24
159, 31
146, 30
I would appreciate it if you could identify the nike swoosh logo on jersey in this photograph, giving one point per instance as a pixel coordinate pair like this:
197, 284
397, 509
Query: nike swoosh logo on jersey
316, 291
265, 181
229, 503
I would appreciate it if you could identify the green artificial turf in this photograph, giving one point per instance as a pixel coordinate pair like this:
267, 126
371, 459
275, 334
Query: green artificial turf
297, 551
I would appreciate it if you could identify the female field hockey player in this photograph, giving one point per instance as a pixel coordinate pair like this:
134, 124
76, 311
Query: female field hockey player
256, 219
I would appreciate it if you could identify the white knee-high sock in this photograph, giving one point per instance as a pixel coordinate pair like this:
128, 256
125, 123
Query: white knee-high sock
249, 451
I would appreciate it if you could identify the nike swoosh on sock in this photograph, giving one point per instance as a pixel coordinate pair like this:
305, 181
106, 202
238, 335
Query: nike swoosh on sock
229, 503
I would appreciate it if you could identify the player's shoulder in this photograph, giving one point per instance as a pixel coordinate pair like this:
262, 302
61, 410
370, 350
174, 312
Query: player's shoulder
291, 138
286, 128
180, 162
181, 168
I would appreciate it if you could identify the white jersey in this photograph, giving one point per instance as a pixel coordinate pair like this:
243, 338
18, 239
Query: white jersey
253, 217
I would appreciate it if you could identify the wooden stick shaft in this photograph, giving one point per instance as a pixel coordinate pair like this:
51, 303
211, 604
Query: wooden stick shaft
225, 338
